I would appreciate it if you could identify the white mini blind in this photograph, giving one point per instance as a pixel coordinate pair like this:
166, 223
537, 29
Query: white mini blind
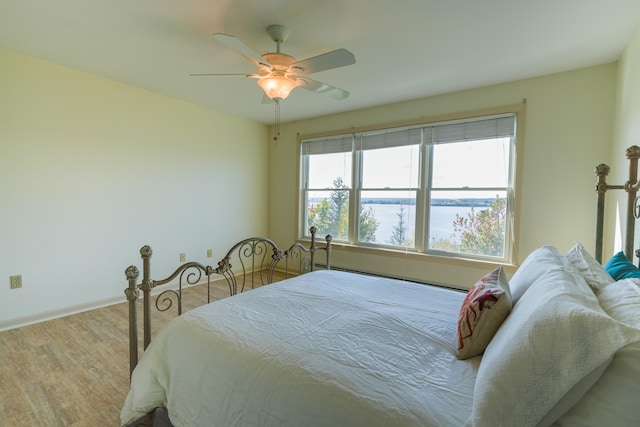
497, 127
336, 144
435, 133
387, 139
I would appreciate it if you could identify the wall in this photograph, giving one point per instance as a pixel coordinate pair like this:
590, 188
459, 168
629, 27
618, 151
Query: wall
91, 170
626, 133
567, 131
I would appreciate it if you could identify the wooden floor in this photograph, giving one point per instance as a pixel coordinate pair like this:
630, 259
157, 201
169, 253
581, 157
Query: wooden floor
73, 371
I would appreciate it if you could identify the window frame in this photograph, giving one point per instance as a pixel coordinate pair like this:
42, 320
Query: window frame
425, 187
417, 189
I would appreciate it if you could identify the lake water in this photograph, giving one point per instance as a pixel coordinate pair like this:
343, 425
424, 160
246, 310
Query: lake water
441, 221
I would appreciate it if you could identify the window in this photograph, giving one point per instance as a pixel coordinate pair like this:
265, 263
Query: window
444, 188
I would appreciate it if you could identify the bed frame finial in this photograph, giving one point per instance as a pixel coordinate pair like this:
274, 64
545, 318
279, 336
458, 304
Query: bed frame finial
132, 272
601, 172
633, 152
146, 251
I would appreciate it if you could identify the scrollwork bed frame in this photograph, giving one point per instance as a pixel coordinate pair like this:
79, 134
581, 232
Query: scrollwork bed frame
633, 202
249, 263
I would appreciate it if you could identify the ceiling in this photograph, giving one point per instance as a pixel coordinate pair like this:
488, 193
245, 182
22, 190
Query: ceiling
404, 49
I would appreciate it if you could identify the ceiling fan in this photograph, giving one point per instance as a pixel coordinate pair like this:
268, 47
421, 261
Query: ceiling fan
278, 73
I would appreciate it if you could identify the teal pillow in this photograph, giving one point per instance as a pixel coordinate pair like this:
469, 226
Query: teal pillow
619, 267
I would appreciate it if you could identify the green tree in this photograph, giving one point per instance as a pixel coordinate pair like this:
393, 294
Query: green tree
368, 225
331, 216
399, 235
320, 216
483, 232
339, 209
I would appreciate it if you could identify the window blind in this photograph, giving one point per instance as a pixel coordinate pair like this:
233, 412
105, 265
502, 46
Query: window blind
464, 130
393, 138
339, 144
498, 127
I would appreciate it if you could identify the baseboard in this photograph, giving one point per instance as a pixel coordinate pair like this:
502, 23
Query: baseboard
67, 311
55, 314
32, 319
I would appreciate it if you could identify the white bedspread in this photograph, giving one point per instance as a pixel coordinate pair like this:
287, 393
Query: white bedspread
322, 349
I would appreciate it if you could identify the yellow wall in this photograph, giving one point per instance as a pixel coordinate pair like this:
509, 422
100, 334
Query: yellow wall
91, 170
626, 133
569, 119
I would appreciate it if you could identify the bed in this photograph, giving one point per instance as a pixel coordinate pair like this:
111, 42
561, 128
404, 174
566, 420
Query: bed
558, 344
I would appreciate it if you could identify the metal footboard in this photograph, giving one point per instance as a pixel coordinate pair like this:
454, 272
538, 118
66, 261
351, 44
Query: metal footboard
250, 263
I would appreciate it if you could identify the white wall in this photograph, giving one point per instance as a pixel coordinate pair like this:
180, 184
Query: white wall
626, 134
569, 119
91, 170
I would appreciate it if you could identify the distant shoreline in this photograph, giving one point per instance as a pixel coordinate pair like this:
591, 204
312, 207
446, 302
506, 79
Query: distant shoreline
476, 203
434, 202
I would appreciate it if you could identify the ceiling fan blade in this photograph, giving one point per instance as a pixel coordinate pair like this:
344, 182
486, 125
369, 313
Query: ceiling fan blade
334, 59
253, 76
235, 44
319, 87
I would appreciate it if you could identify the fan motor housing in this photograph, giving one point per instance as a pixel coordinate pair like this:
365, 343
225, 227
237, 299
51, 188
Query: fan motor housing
279, 59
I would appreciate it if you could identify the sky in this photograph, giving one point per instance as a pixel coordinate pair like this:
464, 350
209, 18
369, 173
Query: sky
476, 164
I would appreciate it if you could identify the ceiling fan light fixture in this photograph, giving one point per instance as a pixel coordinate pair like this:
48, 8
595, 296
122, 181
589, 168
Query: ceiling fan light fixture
277, 87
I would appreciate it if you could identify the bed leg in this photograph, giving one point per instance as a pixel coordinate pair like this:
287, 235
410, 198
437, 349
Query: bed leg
328, 239
312, 248
601, 171
145, 253
132, 294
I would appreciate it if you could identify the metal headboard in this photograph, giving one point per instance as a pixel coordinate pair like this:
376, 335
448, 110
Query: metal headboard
633, 204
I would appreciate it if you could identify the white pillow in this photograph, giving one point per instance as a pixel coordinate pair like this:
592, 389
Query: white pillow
555, 336
574, 395
542, 259
592, 271
615, 399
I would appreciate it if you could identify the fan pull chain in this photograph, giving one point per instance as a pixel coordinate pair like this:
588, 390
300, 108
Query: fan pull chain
277, 119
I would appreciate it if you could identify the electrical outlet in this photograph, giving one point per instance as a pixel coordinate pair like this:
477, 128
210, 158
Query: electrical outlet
15, 281
183, 257
209, 253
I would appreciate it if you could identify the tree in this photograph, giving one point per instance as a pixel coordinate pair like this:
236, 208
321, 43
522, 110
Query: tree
320, 216
399, 235
368, 225
331, 216
339, 209
483, 232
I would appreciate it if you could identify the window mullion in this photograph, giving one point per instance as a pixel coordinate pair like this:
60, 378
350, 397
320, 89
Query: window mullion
303, 193
427, 182
355, 196
421, 193
509, 231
